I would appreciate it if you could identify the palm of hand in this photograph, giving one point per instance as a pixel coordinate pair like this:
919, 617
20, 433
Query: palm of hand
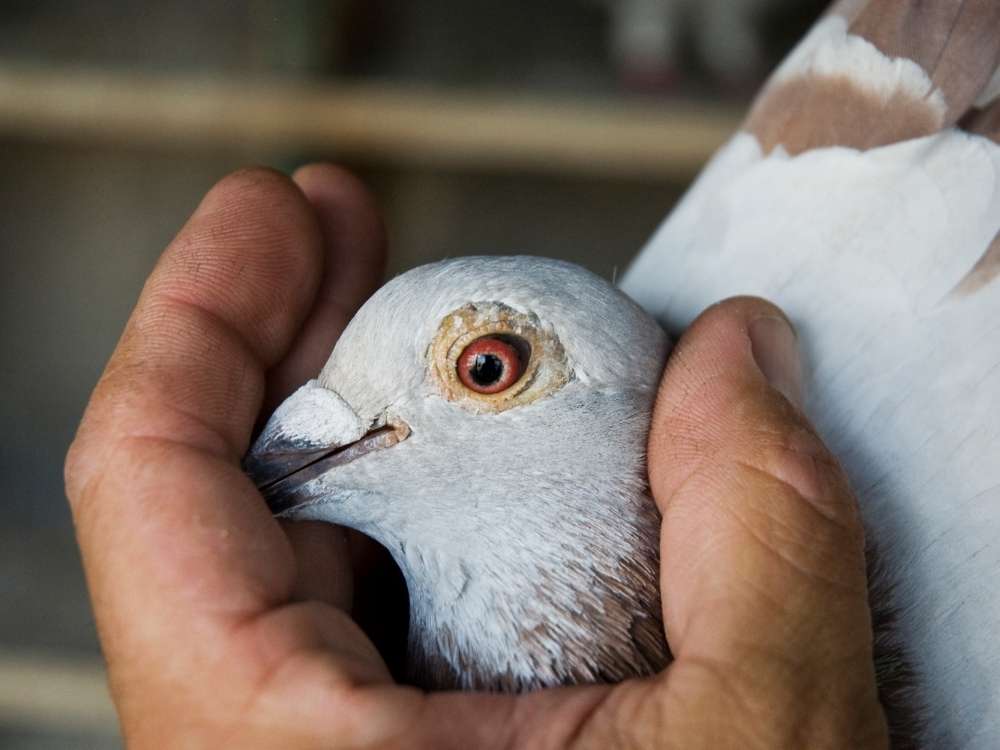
222, 628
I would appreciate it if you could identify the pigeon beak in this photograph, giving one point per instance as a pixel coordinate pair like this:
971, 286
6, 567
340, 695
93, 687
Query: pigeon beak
312, 432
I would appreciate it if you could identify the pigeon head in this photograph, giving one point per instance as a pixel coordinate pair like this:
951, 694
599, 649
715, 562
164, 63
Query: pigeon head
485, 420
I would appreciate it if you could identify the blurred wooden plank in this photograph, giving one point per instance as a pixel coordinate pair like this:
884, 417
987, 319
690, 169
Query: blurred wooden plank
47, 691
370, 122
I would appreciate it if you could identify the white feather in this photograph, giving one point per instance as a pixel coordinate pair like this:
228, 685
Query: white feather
864, 250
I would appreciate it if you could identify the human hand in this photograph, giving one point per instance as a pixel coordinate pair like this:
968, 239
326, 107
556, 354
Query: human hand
224, 628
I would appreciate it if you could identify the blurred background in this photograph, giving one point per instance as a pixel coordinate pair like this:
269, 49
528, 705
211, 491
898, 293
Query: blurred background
566, 128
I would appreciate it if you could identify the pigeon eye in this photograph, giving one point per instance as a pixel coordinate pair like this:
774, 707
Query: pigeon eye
492, 364
488, 357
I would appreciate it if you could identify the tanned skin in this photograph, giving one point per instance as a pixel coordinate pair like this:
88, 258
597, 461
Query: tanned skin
224, 628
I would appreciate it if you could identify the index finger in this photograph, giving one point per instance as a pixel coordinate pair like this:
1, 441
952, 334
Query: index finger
165, 519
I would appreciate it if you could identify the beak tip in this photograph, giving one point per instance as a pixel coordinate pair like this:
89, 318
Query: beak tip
268, 463
279, 469
260, 471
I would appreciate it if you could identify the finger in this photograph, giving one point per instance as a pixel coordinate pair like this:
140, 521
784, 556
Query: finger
762, 547
353, 265
165, 518
322, 557
391, 716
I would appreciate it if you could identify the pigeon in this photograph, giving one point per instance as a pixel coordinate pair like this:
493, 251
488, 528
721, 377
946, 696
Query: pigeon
485, 418
647, 37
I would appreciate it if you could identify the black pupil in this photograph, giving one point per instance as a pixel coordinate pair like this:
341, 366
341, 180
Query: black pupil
487, 369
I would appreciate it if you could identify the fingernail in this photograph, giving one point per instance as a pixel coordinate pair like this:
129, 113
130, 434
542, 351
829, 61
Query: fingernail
776, 352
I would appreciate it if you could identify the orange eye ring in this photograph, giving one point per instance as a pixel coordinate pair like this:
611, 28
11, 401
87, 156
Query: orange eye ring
490, 365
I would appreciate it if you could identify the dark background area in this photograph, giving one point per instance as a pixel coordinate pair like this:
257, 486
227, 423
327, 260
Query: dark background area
91, 194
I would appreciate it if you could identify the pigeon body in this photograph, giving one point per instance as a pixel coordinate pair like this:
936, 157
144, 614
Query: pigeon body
520, 518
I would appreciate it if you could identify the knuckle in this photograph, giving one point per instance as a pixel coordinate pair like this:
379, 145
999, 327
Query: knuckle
797, 499
776, 439
796, 458
816, 537
86, 470
87, 452
75, 470
121, 470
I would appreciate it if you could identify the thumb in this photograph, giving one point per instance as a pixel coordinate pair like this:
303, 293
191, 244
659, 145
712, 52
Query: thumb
763, 564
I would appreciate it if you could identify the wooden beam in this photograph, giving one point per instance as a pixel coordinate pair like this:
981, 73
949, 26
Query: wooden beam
57, 693
365, 121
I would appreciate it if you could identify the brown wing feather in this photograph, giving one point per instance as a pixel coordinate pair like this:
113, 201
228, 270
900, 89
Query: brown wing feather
955, 42
818, 112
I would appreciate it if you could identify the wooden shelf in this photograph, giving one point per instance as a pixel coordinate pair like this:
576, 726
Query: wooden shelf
368, 122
